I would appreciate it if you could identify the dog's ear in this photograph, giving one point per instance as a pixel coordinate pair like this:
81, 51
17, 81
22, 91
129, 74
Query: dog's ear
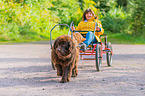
55, 43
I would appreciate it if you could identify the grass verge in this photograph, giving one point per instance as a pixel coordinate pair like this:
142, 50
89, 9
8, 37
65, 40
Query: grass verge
114, 38
120, 38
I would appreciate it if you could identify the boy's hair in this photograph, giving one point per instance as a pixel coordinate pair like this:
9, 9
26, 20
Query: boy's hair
86, 11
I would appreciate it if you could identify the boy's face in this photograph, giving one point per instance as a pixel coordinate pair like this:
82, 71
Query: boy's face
89, 15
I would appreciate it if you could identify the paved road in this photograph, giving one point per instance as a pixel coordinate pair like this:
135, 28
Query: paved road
25, 70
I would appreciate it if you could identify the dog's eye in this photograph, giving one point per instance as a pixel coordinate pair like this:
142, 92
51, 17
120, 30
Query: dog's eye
63, 45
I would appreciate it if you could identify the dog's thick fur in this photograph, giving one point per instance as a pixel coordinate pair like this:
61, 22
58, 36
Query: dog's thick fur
65, 56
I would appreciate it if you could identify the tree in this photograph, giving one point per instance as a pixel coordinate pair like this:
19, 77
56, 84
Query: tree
138, 18
122, 3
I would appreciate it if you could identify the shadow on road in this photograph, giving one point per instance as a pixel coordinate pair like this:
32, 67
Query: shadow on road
128, 56
35, 60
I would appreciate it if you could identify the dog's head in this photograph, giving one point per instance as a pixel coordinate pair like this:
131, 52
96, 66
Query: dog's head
78, 37
63, 45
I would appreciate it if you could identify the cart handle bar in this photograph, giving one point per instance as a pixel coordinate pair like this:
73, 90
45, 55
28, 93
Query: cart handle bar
83, 31
59, 25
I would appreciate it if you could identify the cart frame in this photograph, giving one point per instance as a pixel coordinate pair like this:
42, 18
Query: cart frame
97, 49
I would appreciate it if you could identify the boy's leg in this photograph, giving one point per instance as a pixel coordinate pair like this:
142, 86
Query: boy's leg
94, 40
89, 38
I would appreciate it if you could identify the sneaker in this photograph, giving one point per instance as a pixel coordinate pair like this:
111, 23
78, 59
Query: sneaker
83, 47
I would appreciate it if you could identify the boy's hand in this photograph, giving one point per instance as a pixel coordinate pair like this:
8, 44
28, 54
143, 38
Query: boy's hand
73, 28
98, 28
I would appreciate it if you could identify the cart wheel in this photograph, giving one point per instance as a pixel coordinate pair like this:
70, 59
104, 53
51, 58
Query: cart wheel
53, 66
109, 54
98, 57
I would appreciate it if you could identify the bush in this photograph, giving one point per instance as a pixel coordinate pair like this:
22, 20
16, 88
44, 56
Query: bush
115, 21
138, 18
20, 19
34, 18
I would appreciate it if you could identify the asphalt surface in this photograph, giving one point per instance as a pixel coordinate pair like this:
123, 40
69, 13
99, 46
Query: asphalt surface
25, 70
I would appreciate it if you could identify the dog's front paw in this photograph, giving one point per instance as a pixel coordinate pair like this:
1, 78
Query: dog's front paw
74, 73
64, 80
59, 74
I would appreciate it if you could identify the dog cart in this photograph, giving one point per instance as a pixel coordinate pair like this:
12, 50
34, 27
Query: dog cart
96, 49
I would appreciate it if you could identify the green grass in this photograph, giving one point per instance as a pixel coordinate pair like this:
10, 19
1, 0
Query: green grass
114, 38
33, 37
120, 38
22, 40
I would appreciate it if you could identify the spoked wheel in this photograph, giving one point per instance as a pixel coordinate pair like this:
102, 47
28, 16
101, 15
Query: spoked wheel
109, 54
98, 57
53, 66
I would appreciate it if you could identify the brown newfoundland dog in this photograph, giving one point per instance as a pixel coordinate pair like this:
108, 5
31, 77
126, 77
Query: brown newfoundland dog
65, 56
